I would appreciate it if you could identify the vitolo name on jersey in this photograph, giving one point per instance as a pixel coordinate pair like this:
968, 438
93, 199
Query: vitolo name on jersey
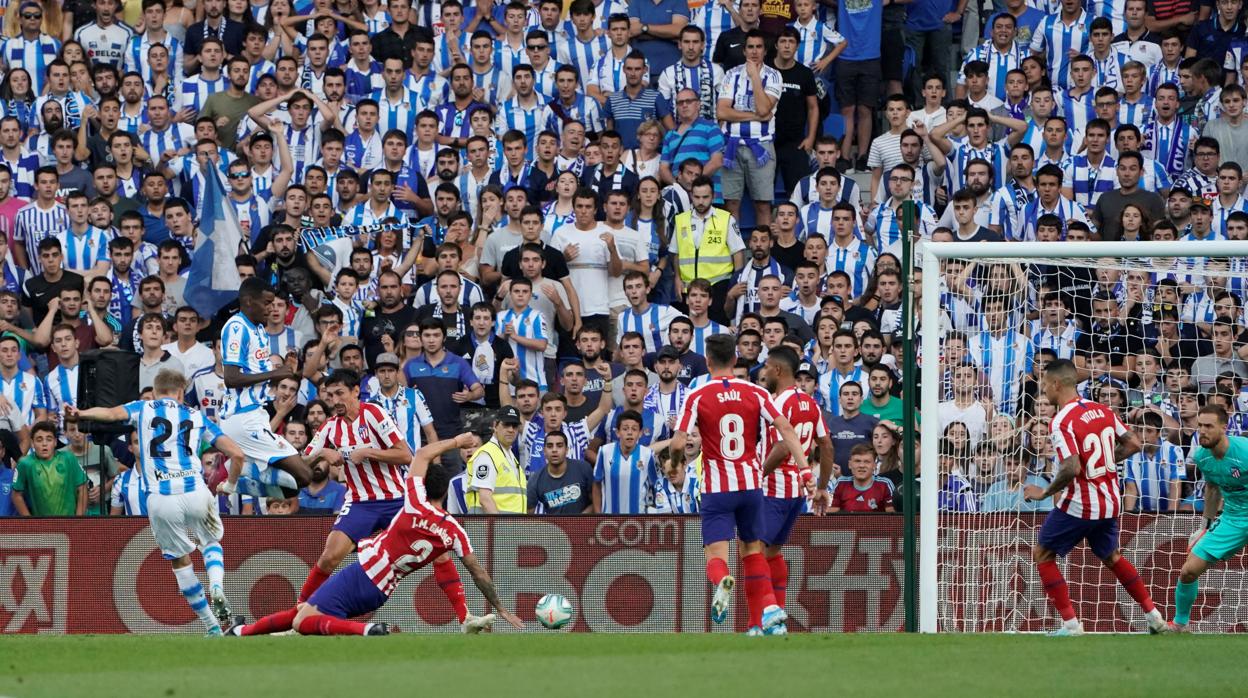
1091, 415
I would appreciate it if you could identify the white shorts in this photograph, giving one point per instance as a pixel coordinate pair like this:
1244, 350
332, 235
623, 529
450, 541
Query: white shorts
174, 517
250, 430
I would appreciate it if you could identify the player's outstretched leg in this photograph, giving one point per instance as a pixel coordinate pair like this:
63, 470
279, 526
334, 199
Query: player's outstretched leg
760, 599
717, 574
214, 565
315, 623
1130, 580
193, 592
273, 623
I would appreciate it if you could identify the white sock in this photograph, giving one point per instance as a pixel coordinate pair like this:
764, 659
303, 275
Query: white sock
214, 564
193, 592
1072, 624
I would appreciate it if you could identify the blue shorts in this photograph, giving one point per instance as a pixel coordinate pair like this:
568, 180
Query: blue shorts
348, 593
1061, 532
729, 515
359, 520
779, 515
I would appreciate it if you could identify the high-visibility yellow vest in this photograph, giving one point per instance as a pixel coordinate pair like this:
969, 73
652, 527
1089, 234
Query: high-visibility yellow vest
510, 484
712, 260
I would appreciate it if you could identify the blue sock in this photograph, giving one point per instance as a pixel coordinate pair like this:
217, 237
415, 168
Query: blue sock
1184, 596
250, 487
214, 564
193, 592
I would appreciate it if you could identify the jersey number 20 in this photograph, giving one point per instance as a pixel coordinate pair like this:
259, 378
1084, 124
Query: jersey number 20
1099, 449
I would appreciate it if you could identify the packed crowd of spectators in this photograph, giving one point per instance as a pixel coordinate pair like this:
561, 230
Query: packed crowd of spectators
551, 205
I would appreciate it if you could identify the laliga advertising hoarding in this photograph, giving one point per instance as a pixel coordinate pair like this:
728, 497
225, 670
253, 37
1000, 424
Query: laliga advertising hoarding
623, 574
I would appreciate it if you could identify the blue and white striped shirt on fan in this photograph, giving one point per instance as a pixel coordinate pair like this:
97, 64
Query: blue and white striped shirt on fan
398, 115
739, 89
285, 341
409, 411
82, 252
857, 260
698, 346
1005, 360
130, 493
33, 55
34, 224
169, 439
829, 392
713, 19
514, 115
62, 387
529, 324
625, 478
582, 55
27, 392
174, 137
1152, 473
1056, 40
196, 90
246, 346
999, 64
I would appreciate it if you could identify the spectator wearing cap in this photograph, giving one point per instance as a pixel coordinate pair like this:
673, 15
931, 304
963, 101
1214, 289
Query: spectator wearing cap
496, 484
405, 405
882, 403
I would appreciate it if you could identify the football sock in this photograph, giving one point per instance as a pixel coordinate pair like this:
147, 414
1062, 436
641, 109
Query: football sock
779, 577
448, 579
1055, 588
193, 592
1184, 597
251, 487
1129, 578
274, 623
716, 570
316, 577
328, 625
758, 592
270, 482
214, 565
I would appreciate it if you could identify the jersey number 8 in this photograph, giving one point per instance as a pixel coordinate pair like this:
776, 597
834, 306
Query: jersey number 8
732, 436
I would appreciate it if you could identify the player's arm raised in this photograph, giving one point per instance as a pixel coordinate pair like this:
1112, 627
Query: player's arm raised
426, 454
481, 578
96, 414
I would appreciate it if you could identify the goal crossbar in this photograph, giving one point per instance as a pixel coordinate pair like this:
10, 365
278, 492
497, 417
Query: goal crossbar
931, 254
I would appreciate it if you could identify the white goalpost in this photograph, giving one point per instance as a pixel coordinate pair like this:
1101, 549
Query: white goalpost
975, 568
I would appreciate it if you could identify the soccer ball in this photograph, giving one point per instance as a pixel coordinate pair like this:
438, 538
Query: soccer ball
554, 611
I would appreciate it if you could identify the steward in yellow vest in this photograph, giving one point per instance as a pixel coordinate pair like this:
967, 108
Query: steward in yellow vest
496, 482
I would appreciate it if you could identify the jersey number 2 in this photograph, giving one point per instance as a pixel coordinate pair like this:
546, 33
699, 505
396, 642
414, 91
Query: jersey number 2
1100, 451
420, 552
163, 429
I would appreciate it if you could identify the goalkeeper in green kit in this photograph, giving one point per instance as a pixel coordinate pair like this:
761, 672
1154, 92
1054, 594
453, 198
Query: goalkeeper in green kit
1223, 462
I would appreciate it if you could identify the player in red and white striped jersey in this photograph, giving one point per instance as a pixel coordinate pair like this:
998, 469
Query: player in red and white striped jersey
420, 532
732, 417
369, 445
785, 485
1090, 441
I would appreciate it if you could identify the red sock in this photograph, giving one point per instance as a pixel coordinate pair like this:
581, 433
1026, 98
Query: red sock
758, 592
275, 623
1055, 588
1129, 578
779, 577
328, 625
314, 581
716, 569
448, 578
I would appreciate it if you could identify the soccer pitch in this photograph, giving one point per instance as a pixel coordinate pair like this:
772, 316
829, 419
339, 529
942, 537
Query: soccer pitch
564, 664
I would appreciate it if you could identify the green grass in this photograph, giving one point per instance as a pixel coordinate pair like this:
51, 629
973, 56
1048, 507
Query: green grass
639, 666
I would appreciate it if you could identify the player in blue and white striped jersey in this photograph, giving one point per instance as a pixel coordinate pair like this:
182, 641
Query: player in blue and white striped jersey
1058, 36
1153, 476
526, 331
406, 406
274, 467
625, 471
179, 502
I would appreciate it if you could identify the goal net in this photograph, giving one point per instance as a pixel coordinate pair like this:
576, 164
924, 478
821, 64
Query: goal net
1156, 333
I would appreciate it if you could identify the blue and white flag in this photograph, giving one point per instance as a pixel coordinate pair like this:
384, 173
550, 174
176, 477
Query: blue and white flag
213, 280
